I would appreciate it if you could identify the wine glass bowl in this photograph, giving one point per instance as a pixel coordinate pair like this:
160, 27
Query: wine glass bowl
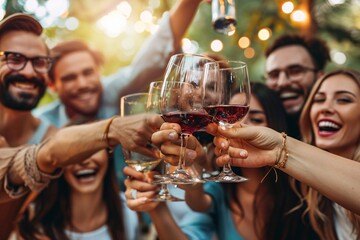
181, 102
182, 105
147, 159
226, 99
223, 16
152, 105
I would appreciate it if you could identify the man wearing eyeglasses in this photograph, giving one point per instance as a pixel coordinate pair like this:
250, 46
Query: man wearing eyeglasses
293, 63
24, 63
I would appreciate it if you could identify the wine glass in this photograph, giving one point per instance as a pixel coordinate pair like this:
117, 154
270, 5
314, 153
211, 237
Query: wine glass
133, 104
223, 14
152, 106
226, 99
181, 102
178, 105
137, 103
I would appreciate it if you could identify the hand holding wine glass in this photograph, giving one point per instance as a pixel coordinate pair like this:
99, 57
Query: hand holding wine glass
181, 102
136, 104
226, 99
152, 106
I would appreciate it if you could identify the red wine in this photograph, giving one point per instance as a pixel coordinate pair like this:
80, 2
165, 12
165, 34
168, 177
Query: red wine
224, 25
189, 121
203, 137
227, 113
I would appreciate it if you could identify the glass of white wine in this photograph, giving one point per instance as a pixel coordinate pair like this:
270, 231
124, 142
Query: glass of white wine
136, 104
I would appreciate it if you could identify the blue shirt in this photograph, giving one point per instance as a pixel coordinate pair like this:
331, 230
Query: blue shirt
217, 220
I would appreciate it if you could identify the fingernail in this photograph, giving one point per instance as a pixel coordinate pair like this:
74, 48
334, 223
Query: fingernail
143, 199
222, 145
191, 154
173, 135
243, 153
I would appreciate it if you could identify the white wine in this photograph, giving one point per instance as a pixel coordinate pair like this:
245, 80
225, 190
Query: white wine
143, 166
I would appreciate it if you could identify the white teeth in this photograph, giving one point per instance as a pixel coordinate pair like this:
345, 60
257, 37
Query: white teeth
289, 95
84, 172
25, 85
323, 124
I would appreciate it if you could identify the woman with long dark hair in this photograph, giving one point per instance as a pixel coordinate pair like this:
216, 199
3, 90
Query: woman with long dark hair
84, 203
262, 208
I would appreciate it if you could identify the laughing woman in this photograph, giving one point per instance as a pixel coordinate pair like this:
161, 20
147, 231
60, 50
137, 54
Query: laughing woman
331, 121
85, 203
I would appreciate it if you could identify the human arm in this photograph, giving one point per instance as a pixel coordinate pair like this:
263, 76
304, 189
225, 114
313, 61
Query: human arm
325, 172
161, 216
181, 16
150, 61
32, 167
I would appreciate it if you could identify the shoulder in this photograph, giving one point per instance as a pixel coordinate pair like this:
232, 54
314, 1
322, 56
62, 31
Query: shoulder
51, 130
47, 109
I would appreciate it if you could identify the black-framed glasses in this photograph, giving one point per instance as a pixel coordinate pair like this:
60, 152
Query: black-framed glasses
293, 72
17, 61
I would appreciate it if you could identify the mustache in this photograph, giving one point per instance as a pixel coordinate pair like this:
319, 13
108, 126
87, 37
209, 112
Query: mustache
19, 78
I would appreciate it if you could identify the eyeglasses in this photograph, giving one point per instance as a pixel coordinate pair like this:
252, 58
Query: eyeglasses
17, 61
293, 72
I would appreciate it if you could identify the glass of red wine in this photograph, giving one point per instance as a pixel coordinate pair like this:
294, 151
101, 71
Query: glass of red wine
223, 16
152, 106
181, 103
226, 99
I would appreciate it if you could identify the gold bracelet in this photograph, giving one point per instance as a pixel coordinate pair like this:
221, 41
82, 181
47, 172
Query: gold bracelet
105, 137
283, 154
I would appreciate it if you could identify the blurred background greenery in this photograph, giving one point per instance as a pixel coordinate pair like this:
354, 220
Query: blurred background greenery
118, 28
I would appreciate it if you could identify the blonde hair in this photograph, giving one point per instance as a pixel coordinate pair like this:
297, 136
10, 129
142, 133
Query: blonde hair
319, 208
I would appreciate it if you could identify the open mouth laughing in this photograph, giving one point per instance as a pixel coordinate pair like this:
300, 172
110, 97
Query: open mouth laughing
327, 127
86, 175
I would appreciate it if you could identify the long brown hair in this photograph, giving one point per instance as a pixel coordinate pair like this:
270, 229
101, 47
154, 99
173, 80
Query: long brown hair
52, 210
275, 201
319, 208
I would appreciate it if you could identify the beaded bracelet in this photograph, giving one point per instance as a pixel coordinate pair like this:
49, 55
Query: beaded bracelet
105, 137
283, 154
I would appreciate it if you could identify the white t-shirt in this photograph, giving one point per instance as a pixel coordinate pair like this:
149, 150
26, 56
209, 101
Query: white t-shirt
343, 224
130, 222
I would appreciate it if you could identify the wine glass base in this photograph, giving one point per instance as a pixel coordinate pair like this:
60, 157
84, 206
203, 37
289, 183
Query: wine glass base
166, 198
227, 178
181, 181
180, 176
161, 181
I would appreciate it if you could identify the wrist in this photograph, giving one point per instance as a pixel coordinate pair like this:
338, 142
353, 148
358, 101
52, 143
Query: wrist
109, 135
282, 153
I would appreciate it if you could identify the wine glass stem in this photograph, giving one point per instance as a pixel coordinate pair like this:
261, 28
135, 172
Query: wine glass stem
227, 168
184, 140
164, 191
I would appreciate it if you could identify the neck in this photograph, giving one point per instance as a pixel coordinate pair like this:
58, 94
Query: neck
17, 126
88, 211
344, 151
76, 118
255, 175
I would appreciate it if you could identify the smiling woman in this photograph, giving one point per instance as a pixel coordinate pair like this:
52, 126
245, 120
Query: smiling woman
330, 120
85, 200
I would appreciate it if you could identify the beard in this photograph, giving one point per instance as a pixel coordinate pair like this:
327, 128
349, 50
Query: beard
22, 101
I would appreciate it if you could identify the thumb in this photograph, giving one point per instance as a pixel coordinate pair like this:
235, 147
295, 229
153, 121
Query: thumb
154, 121
243, 132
